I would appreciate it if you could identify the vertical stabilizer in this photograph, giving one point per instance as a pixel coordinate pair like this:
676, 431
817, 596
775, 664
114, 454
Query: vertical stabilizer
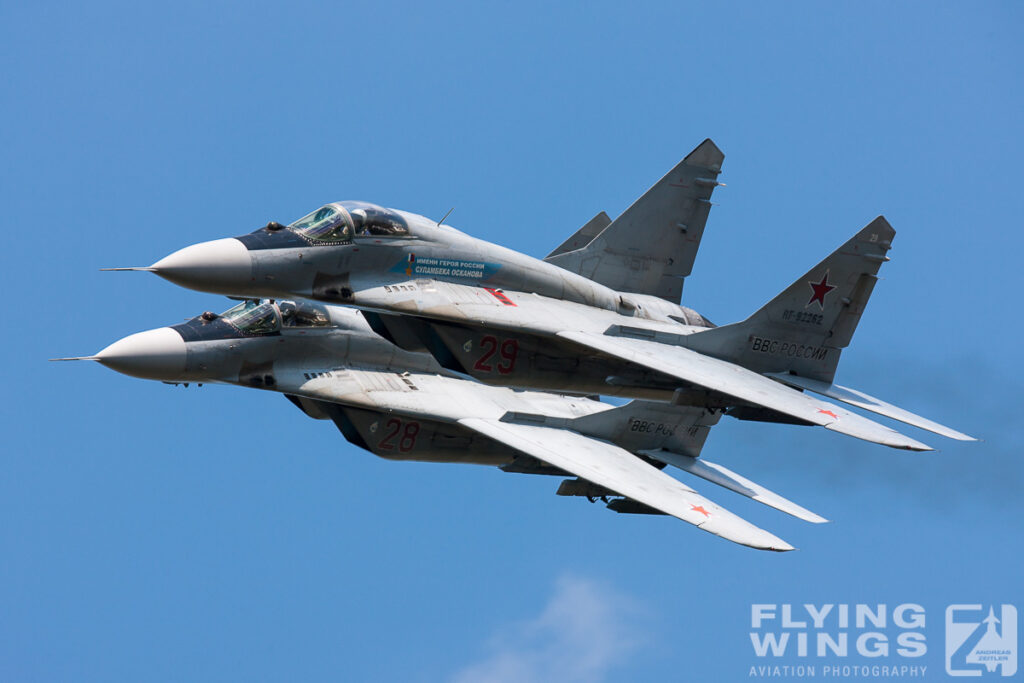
584, 235
803, 330
651, 247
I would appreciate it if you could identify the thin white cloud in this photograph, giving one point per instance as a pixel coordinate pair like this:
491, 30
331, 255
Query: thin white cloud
585, 630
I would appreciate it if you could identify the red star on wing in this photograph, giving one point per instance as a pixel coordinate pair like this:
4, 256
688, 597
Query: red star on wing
700, 509
829, 412
820, 289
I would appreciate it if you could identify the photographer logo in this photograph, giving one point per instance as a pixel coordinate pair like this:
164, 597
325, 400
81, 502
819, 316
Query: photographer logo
981, 640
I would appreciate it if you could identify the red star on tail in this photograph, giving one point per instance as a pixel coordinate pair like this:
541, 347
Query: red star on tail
820, 289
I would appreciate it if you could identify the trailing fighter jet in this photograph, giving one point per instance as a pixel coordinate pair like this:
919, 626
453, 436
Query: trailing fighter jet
599, 315
402, 406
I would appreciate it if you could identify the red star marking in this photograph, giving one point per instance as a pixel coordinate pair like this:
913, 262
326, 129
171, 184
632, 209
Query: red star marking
820, 289
829, 412
700, 509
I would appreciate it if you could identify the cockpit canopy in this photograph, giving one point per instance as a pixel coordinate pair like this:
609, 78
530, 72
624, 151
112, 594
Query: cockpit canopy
327, 224
339, 222
257, 318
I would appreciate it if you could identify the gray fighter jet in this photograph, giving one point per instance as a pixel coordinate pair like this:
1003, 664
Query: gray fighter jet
345, 247
403, 406
599, 315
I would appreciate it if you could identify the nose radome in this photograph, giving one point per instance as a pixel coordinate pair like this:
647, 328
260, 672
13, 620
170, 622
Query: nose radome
153, 354
221, 266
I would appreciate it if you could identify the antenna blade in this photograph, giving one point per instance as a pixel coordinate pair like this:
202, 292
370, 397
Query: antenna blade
445, 216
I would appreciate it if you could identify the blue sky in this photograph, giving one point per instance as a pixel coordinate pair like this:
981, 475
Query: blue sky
159, 533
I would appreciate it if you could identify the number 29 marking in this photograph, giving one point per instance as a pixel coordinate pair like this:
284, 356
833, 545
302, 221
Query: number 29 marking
508, 349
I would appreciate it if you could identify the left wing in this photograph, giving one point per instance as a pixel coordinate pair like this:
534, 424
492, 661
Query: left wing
601, 463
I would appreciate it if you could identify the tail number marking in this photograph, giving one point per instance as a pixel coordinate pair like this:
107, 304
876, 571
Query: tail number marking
405, 433
508, 349
802, 317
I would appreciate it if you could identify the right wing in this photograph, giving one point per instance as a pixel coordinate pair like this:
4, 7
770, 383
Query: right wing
745, 385
675, 435
601, 463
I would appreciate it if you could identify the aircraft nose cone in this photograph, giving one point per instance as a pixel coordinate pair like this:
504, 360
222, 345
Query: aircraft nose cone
221, 267
153, 354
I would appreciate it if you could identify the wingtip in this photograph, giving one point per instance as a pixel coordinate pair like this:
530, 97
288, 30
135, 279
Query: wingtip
761, 540
960, 436
910, 445
764, 540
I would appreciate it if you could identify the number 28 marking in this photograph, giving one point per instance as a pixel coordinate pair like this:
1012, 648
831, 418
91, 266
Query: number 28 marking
392, 430
507, 348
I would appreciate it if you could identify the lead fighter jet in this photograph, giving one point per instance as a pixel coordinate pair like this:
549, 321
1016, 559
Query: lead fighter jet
403, 406
598, 315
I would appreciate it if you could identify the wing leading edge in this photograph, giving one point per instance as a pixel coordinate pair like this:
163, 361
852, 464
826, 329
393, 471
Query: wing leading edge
619, 470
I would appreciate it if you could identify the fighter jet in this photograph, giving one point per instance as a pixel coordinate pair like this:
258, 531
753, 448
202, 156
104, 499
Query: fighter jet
401, 405
345, 247
558, 324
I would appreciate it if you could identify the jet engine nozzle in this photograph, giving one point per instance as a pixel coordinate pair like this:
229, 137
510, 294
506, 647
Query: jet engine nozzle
221, 267
153, 354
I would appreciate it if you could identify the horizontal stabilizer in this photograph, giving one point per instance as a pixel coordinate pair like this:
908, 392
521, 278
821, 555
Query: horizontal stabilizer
618, 470
861, 400
745, 385
717, 474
